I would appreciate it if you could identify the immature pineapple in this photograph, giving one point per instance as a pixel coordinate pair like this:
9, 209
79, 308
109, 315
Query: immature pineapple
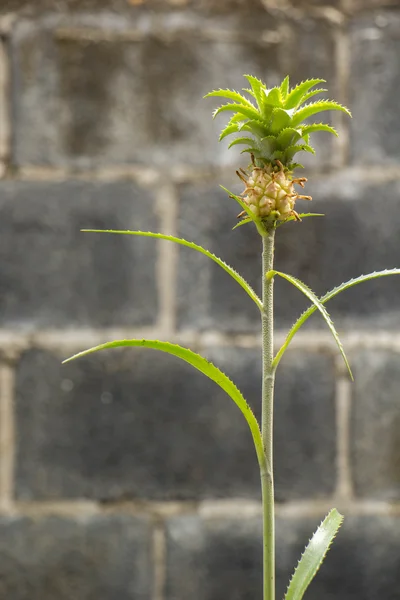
276, 124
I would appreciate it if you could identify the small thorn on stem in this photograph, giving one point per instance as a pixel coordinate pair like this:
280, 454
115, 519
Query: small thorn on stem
304, 197
296, 216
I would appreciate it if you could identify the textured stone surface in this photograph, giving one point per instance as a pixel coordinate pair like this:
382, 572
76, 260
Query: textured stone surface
88, 429
353, 238
138, 424
224, 557
52, 275
352, 6
87, 558
256, 6
148, 105
217, 556
375, 47
375, 429
305, 427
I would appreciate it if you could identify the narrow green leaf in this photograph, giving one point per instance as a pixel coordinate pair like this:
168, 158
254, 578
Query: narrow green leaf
314, 555
268, 144
254, 126
280, 119
285, 88
291, 151
311, 95
242, 222
288, 137
258, 90
318, 304
250, 113
316, 107
328, 296
242, 140
201, 364
170, 238
273, 97
256, 220
257, 153
249, 91
302, 216
297, 93
230, 95
307, 129
233, 126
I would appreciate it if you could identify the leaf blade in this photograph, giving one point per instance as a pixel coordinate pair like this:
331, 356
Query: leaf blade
328, 296
230, 95
201, 364
170, 238
319, 306
314, 555
243, 109
258, 89
296, 94
307, 129
316, 107
256, 220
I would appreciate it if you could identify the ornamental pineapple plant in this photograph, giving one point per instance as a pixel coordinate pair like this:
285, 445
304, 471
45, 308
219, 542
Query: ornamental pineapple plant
275, 130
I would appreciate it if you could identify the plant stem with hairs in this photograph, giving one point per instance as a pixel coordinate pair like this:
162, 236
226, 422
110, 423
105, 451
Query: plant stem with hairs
267, 408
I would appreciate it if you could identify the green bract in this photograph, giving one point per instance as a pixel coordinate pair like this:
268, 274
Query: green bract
275, 119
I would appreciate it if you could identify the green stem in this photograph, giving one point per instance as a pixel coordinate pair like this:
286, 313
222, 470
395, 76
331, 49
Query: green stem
268, 379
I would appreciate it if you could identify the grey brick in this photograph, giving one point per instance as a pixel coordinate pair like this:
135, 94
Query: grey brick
224, 6
375, 85
216, 556
305, 427
304, 417
221, 557
353, 6
356, 236
136, 424
375, 425
52, 275
55, 557
143, 425
111, 100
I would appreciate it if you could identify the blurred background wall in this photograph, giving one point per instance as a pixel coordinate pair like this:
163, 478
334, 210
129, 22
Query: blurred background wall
127, 475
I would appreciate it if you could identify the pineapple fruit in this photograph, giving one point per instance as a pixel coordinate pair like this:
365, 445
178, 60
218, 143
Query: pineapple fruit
273, 123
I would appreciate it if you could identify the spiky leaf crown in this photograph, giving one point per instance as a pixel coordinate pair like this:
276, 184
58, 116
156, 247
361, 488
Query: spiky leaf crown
276, 120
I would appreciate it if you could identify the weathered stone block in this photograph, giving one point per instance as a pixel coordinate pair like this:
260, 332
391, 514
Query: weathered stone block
375, 86
375, 425
305, 427
146, 105
52, 275
57, 557
221, 557
135, 424
217, 556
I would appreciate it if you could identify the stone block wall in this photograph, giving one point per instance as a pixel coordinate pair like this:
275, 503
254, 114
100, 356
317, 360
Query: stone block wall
126, 475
